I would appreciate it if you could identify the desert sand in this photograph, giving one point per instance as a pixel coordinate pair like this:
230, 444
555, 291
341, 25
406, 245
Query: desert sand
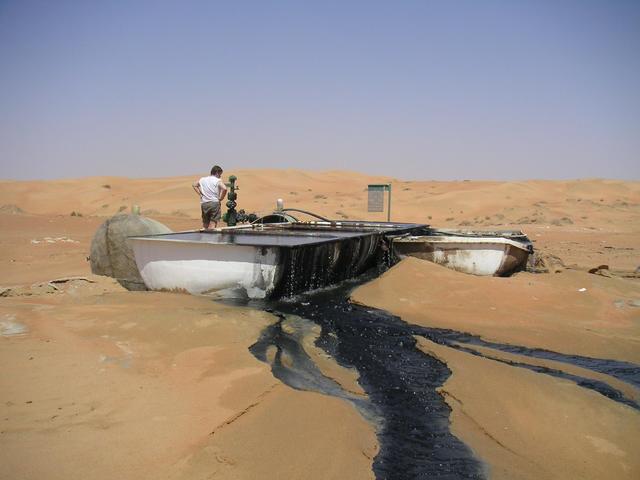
99, 382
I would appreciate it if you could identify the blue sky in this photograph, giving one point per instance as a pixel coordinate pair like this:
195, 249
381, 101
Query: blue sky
412, 89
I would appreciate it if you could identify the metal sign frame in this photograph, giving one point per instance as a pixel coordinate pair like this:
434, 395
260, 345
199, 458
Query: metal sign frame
377, 187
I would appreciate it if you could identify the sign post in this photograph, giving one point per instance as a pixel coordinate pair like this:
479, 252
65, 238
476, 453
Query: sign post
375, 198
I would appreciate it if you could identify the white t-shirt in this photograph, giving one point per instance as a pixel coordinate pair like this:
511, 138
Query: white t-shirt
210, 188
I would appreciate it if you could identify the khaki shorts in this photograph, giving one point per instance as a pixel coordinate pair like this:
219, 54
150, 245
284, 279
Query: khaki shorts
211, 212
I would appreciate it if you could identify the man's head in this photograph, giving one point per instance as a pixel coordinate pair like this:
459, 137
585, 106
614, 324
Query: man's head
216, 171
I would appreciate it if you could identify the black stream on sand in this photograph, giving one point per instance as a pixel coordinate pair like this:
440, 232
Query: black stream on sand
411, 418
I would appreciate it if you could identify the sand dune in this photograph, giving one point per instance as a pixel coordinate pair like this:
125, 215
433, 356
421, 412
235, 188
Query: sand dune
579, 202
103, 383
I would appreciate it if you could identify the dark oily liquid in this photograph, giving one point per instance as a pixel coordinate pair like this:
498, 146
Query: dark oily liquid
257, 238
287, 235
411, 418
624, 371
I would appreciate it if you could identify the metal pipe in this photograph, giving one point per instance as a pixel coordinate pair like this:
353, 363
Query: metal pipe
389, 207
308, 213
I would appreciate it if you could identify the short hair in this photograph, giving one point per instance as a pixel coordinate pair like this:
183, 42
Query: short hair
216, 169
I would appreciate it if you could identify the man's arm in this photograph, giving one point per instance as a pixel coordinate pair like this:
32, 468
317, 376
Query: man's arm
223, 191
196, 187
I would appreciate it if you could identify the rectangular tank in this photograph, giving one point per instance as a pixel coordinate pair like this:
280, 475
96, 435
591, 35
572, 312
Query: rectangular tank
270, 260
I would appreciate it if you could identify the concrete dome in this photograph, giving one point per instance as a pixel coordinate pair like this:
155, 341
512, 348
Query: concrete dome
111, 254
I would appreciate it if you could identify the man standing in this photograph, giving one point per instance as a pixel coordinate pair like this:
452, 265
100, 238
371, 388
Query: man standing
212, 191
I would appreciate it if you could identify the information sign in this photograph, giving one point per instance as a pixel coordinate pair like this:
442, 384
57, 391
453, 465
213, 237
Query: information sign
375, 198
